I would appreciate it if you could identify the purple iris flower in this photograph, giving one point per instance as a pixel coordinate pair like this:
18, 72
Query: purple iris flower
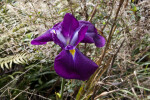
70, 63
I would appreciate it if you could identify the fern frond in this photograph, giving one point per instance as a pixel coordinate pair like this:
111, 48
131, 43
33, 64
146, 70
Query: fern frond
17, 59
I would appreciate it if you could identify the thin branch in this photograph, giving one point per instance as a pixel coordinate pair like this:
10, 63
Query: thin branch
31, 93
93, 13
105, 93
19, 94
110, 34
114, 56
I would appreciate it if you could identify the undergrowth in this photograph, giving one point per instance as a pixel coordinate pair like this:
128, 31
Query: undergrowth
27, 73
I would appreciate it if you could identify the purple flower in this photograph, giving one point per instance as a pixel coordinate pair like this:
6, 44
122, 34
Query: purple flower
70, 63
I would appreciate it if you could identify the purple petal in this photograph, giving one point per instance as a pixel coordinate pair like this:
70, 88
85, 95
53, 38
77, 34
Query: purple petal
58, 37
91, 27
91, 35
78, 36
57, 41
74, 67
87, 39
43, 39
69, 25
99, 40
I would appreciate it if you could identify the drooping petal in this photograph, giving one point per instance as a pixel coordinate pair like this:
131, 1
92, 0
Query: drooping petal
43, 39
91, 35
87, 39
91, 27
99, 40
69, 25
74, 65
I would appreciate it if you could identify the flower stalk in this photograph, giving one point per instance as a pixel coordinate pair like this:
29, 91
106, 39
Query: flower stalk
62, 88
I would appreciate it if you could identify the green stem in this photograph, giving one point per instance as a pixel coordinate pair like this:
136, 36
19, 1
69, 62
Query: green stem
62, 89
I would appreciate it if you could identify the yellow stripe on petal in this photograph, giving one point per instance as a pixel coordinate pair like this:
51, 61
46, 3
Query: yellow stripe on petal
67, 42
72, 52
54, 31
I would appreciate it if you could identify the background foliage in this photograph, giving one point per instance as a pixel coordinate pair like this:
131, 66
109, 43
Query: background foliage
27, 73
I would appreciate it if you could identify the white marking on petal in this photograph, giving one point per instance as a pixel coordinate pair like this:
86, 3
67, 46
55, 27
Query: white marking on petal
74, 38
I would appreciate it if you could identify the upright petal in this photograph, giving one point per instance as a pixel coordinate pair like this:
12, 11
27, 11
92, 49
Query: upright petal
78, 35
91, 35
43, 39
69, 25
74, 65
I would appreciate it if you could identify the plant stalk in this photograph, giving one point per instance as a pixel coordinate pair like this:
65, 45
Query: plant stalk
62, 89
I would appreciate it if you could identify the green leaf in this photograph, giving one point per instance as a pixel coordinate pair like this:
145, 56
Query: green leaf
104, 22
146, 63
12, 77
78, 97
142, 88
57, 95
40, 81
126, 91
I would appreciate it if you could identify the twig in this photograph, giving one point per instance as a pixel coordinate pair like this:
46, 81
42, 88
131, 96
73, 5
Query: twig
142, 53
105, 93
93, 13
109, 15
19, 94
70, 6
98, 73
110, 34
85, 46
114, 56
101, 72
31, 93
85, 10
4, 91
132, 88
90, 19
